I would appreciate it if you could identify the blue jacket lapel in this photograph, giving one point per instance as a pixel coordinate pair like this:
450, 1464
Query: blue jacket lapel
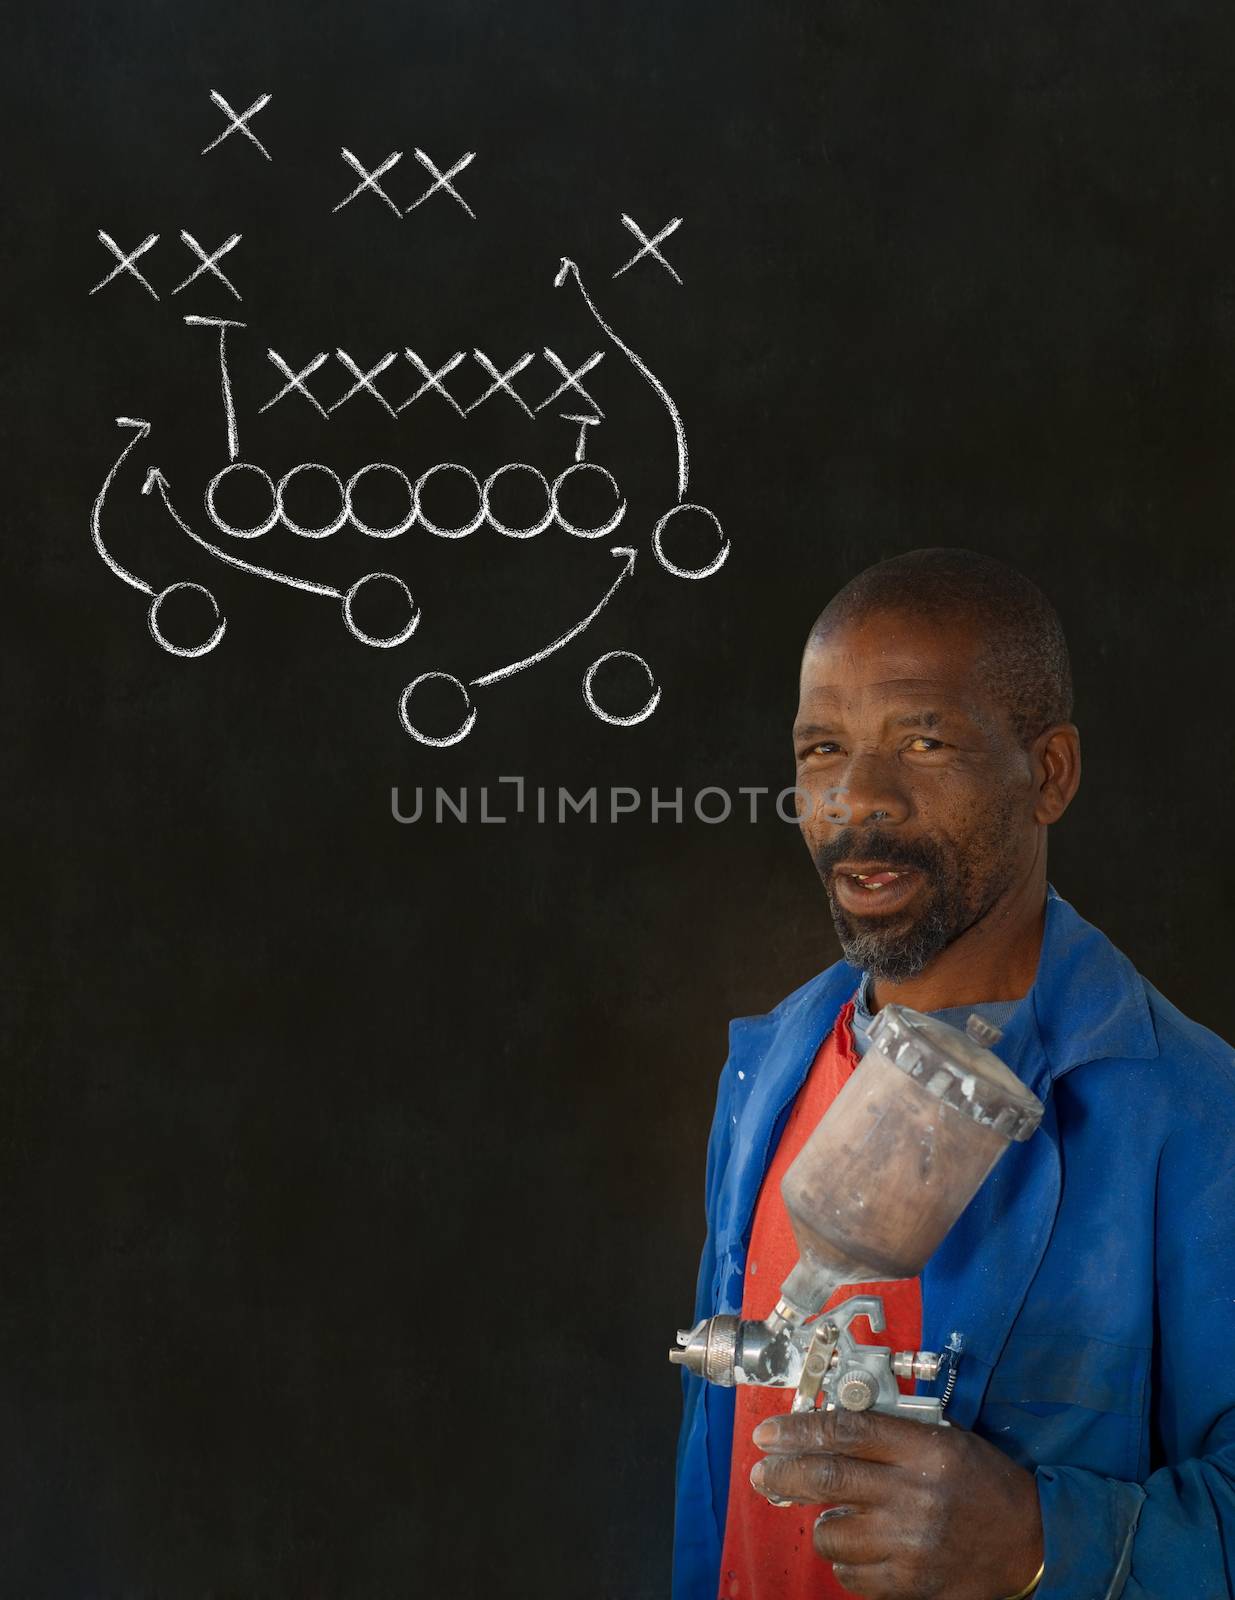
1087, 1002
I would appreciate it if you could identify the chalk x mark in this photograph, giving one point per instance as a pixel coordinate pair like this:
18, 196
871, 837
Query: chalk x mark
625, 551
239, 122
368, 180
229, 405
208, 262
126, 261
442, 180
571, 380
568, 269
295, 381
501, 381
433, 380
363, 380
649, 245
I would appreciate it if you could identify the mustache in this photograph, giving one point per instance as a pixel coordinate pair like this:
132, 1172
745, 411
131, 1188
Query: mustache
857, 845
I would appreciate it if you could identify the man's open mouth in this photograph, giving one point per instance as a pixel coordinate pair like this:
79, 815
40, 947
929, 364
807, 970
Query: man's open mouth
870, 884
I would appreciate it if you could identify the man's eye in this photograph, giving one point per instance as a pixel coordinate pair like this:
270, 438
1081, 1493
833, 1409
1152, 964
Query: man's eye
922, 739
825, 749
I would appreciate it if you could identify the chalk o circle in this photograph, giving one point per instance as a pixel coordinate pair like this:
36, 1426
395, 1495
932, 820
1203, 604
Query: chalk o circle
608, 716
500, 527
258, 528
397, 528
160, 638
607, 528
294, 527
461, 732
714, 565
432, 527
376, 639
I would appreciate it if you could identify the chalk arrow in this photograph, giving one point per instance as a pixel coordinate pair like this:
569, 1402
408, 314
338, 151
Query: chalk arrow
142, 429
564, 638
569, 269
155, 479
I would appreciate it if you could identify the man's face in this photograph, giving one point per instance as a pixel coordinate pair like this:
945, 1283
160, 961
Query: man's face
894, 715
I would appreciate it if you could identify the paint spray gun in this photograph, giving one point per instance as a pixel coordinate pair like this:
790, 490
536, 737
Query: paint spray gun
902, 1150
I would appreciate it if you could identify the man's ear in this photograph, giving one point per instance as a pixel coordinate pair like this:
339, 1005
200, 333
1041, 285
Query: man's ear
1057, 769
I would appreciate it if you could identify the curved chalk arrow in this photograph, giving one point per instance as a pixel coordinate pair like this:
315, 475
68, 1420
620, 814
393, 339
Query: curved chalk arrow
570, 269
96, 512
565, 638
156, 480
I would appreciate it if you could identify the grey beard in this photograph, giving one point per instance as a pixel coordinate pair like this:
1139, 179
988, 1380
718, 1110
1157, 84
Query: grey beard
901, 954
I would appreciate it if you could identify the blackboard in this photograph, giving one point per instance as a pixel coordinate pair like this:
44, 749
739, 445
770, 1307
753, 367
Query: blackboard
356, 1163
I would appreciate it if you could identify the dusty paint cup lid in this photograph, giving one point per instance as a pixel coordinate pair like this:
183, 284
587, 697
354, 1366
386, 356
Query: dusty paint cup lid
958, 1068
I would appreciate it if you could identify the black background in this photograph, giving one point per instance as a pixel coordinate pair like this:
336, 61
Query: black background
357, 1167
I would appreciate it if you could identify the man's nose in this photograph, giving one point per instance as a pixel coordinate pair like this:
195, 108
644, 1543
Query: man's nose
870, 791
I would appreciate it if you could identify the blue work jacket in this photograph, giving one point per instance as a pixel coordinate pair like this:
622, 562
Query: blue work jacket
1092, 1277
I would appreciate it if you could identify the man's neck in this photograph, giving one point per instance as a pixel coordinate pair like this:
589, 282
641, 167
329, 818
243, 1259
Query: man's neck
994, 959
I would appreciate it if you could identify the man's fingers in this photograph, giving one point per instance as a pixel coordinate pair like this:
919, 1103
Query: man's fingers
843, 1534
874, 1579
867, 1435
822, 1480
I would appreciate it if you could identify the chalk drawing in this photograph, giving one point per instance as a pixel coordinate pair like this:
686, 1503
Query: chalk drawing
157, 480
586, 468
141, 431
571, 380
330, 527
658, 549
610, 717
536, 527
238, 122
362, 380
433, 380
568, 269
259, 529
469, 710
396, 528
208, 263
160, 638
368, 180
295, 381
229, 408
442, 180
336, 501
434, 528
649, 245
126, 261
501, 380
628, 555
584, 424
376, 639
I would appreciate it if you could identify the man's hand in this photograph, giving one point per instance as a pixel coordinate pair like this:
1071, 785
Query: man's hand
918, 1510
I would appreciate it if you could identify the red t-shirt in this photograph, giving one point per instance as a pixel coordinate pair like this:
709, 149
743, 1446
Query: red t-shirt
768, 1553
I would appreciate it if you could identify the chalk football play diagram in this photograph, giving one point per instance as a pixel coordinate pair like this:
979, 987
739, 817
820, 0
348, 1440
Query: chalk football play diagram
536, 382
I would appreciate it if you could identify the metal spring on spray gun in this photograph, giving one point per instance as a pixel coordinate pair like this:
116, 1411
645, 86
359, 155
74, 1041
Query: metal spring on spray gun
955, 1344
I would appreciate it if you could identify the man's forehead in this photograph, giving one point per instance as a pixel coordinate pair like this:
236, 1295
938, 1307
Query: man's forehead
923, 699
836, 681
891, 655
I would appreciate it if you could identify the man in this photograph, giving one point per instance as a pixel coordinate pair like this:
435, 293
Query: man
1090, 1286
